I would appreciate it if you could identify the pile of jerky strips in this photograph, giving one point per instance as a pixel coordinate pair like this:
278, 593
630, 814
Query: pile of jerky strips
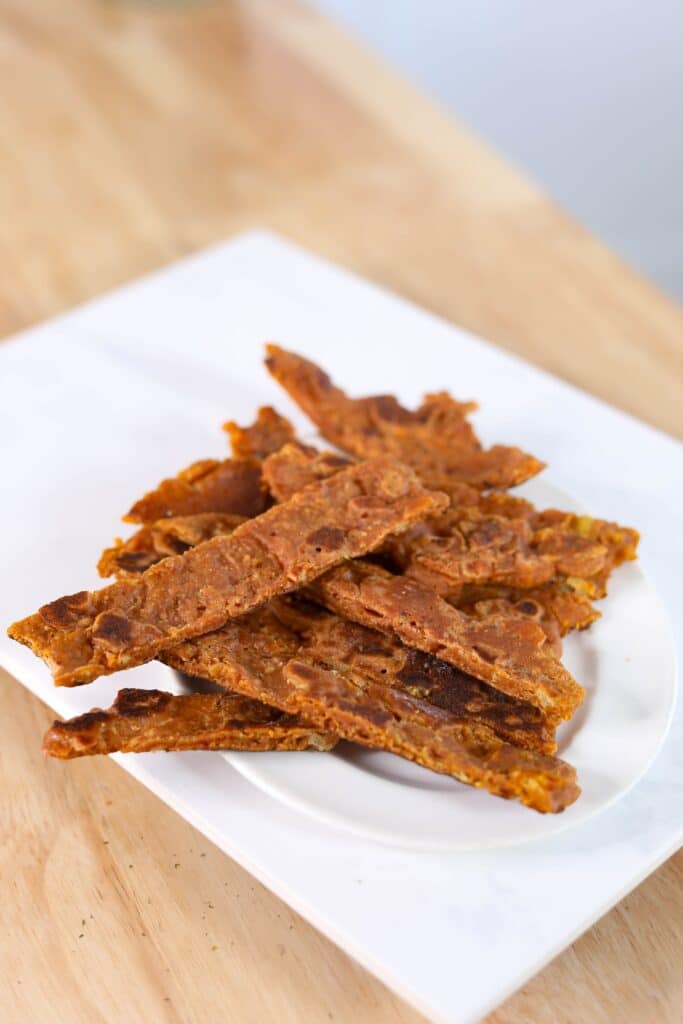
396, 595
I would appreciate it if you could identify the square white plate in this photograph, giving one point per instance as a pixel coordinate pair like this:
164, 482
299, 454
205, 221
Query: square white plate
100, 403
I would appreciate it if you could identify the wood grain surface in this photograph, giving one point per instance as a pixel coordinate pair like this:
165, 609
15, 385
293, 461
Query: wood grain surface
131, 135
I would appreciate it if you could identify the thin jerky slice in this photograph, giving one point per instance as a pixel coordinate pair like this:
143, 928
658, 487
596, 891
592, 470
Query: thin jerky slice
436, 440
266, 435
232, 487
338, 698
85, 635
165, 538
511, 655
143, 720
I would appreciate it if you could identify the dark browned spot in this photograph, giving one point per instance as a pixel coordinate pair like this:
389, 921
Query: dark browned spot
388, 408
83, 723
137, 561
131, 703
327, 538
115, 629
486, 655
65, 611
528, 607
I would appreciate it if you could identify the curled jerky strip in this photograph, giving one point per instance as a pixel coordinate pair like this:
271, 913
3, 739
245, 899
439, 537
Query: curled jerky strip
341, 698
437, 440
86, 635
143, 720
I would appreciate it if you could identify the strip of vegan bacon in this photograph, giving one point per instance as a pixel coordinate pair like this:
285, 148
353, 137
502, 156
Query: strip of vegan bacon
437, 440
249, 655
85, 635
508, 653
144, 720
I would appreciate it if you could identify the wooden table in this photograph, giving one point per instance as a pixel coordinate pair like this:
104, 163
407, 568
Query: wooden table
130, 136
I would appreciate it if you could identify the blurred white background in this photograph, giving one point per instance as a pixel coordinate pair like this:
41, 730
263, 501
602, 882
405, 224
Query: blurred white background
586, 96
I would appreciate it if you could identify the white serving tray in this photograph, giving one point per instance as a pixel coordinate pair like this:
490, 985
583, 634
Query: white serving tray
124, 390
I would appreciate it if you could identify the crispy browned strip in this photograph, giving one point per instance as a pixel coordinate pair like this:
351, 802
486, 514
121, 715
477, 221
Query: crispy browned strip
510, 654
85, 635
142, 720
436, 440
266, 435
250, 655
385, 661
167, 537
233, 487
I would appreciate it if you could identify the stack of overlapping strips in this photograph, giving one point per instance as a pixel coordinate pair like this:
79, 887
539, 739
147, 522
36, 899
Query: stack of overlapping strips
396, 596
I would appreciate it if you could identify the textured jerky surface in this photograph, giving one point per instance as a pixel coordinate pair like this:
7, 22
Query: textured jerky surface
85, 635
437, 440
555, 605
295, 466
267, 639
488, 538
141, 720
267, 657
233, 487
385, 661
510, 654
266, 435
163, 539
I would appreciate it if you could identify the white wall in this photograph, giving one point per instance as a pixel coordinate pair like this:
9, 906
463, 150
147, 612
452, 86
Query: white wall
585, 95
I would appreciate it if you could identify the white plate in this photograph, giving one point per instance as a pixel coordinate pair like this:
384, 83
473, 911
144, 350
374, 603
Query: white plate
626, 663
126, 389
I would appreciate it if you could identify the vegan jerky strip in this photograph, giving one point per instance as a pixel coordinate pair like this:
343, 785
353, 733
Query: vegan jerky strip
508, 653
88, 634
437, 440
249, 655
143, 720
